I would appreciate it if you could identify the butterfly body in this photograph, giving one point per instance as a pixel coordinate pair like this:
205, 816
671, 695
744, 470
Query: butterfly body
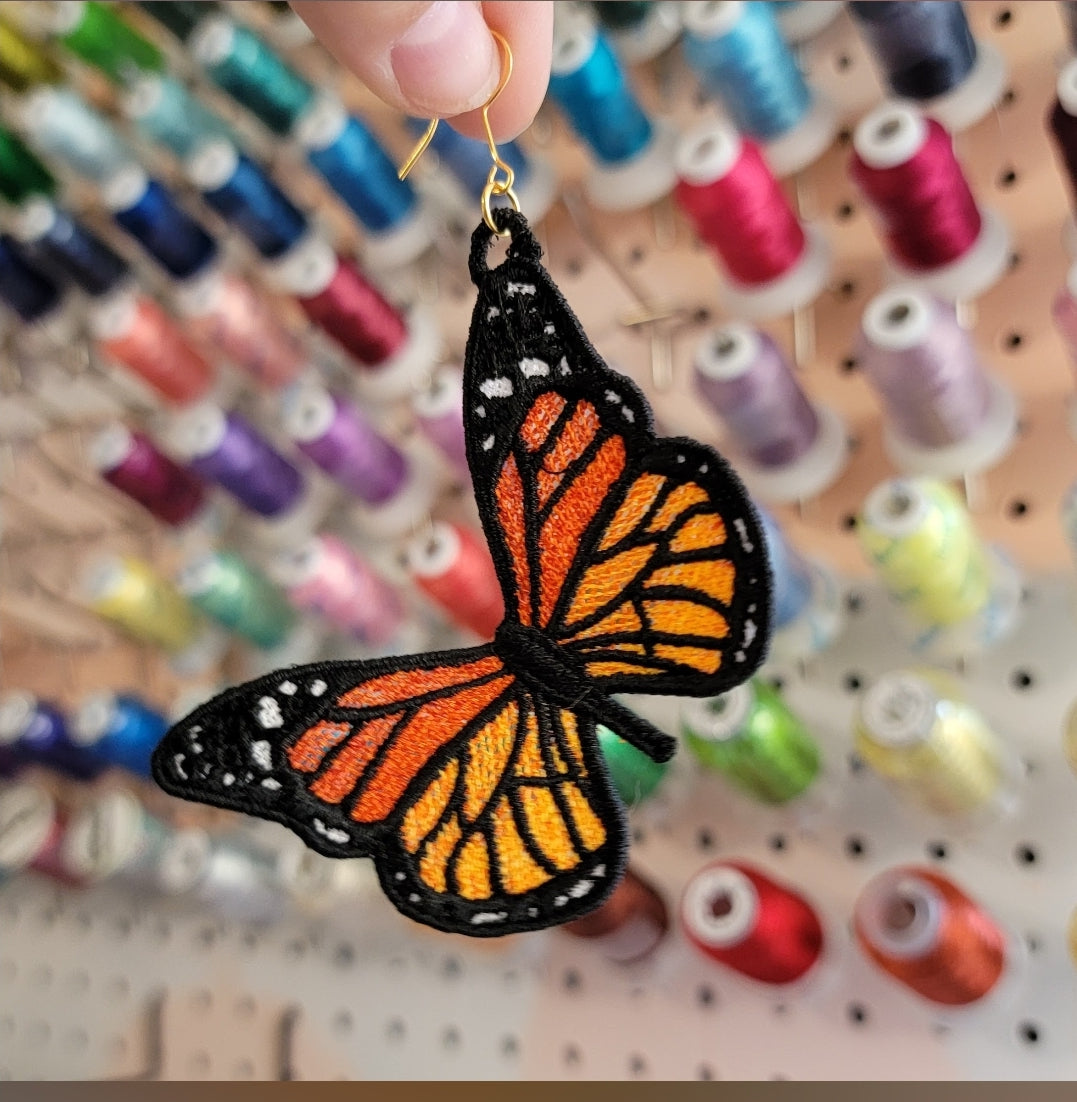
474, 777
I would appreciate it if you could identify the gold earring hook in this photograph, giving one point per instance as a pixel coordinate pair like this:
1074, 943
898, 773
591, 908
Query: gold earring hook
494, 186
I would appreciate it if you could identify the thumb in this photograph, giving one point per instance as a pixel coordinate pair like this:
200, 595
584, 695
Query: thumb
427, 58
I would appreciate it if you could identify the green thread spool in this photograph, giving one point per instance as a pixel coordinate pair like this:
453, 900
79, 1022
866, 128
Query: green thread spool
23, 63
249, 71
920, 539
933, 748
750, 736
22, 175
94, 33
238, 597
634, 775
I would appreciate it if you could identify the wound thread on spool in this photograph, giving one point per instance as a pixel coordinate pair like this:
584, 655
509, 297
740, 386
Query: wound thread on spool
439, 410
37, 732
167, 114
119, 729
629, 926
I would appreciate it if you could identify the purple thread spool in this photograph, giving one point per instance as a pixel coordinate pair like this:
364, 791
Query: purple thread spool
339, 439
440, 412
944, 414
744, 377
35, 731
226, 449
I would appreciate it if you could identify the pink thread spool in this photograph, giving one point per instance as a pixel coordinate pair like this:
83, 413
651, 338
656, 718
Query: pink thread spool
439, 409
1064, 312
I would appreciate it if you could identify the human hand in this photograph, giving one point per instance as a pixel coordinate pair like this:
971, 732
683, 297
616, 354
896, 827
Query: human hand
438, 59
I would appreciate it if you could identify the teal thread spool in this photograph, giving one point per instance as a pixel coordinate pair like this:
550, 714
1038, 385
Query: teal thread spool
97, 35
251, 73
167, 114
634, 775
238, 597
753, 739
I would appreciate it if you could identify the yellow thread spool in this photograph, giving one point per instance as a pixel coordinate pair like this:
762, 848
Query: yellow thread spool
920, 539
133, 596
934, 749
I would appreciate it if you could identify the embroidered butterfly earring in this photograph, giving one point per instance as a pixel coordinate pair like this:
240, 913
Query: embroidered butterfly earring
628, 564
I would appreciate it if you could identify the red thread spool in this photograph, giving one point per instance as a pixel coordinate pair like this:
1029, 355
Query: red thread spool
772, 263
734, 914
923, 930
136, 332
32, 831
342, 301
905, 166
452, 566
131, 462
629, 926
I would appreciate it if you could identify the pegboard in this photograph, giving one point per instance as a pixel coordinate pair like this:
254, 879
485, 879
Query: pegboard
99, 983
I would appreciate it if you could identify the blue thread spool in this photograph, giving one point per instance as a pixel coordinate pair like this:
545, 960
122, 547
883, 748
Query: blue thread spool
60, 243
147, 211
167, 114
118, 729
61, 125
739, 55
808, 614
36, 731
29, 292
249, 71
634, 157
240, 191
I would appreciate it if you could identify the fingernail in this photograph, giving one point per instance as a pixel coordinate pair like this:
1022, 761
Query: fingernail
446, 62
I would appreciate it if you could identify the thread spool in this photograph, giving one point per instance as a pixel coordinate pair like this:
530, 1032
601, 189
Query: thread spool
251, 72
238, 596
242, 193
226, 449
24, 63
129, 593
801, 21
397, 351
934, 749
130, 461
63, 126
788, 448
134, 331
1062, 125
808, 614
955, 595
119, 729
25, 289
632, 157
36, 732
629, 926
634, 775
736, 915
317, 885
933, 230
752, 738
945, 415
97, 35
926, 53
59, 242
739, 55
22, 175
146, 210
639, 31
922, 930
353, 163
167, 114
439, 411
325, 577
453, 568
32, 827
468, 162
772, 264
178, 17
226, 313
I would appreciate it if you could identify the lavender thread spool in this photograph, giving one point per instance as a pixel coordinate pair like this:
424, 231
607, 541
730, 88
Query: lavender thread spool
790, 449
226, 449
440, 412
946, 416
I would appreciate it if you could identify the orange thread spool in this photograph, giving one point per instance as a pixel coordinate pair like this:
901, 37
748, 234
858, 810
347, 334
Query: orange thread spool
738, 916
920, 928
629, 926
